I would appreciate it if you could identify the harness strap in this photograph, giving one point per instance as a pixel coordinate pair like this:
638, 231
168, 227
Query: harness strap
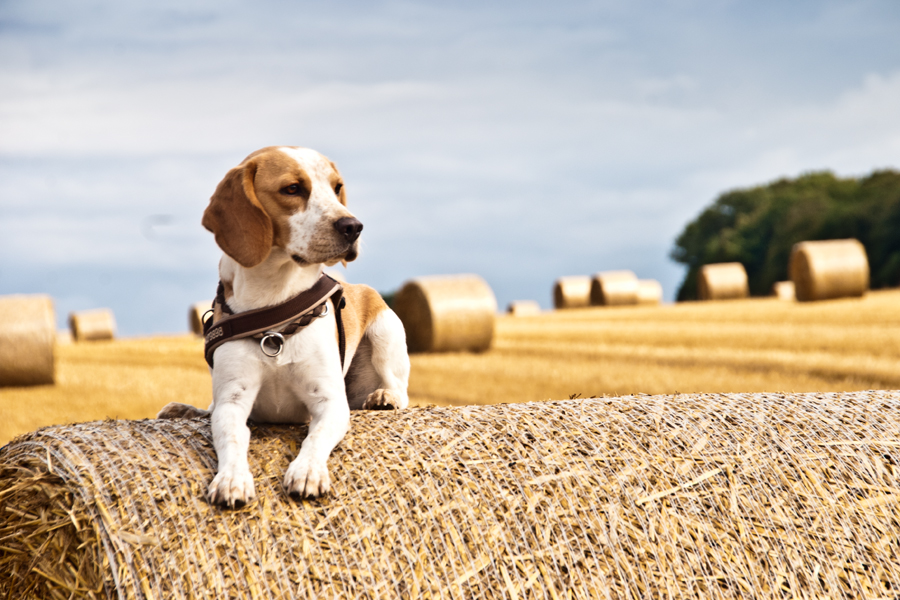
253, 322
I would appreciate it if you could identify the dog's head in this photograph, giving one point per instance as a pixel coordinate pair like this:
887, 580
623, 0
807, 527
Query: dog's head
292, 198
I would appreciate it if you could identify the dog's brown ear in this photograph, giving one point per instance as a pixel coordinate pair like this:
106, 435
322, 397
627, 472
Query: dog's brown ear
241, 225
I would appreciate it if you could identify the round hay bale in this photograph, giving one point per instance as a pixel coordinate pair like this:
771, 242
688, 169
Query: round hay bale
195, 316
688, 496
722, 281
614, 288
27, 340
572, 292
447, 313
783, 290
829, 269
91, 325
523, 308
650, 292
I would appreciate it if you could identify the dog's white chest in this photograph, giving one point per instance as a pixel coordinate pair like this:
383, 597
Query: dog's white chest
306, 372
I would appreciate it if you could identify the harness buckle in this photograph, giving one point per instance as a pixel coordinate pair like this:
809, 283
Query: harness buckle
275, 339
324, 313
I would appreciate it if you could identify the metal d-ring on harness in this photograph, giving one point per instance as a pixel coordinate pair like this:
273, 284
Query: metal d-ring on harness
276, 339
273, 324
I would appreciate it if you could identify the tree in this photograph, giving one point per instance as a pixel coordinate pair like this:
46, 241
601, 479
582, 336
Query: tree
758, 227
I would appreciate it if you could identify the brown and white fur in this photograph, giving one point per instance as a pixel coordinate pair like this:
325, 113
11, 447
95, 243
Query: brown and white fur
279, 217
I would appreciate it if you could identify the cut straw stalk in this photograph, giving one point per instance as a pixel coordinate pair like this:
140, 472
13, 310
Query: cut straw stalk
718, 496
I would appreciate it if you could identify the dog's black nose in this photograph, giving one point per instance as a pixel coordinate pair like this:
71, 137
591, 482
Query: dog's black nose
349, 227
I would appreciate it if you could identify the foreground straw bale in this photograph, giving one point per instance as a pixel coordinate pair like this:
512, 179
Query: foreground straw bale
716, 496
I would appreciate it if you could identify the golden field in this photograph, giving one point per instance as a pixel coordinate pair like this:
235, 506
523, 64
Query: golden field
732, 346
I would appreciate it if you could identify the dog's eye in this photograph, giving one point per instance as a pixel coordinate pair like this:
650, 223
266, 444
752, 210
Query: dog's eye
337, 188
291, 190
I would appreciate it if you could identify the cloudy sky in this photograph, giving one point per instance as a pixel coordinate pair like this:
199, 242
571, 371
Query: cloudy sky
518, 140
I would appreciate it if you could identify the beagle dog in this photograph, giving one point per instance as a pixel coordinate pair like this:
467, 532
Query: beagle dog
280, 217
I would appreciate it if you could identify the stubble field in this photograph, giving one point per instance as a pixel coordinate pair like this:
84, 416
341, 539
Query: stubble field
757, 345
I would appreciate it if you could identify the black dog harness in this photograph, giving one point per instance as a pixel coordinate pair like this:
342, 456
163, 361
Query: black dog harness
272, 324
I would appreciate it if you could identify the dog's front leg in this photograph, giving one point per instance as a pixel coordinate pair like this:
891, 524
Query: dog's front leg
307, 475
234, 398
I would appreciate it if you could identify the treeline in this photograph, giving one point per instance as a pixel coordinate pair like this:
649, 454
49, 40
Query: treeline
759, 226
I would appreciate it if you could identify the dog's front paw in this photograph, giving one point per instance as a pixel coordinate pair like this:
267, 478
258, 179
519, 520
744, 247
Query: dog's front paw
384, 400
307, 478
177, 410
232, 487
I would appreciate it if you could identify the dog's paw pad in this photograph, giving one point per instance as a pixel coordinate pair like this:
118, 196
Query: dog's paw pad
383, 400
307, 479
233, 489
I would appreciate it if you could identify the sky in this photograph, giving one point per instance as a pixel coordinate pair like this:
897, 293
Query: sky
522, 141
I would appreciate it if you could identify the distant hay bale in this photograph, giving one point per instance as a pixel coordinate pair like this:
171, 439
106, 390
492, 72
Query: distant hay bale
195, 316
829, 269
783, 290
27, 340
447, 313
572, 292
650, 292
91, 325
688, 496
523, 308
722, 281
614, 288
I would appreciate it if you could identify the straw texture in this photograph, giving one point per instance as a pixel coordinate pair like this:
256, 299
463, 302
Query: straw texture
447, 313
90, 325
722, 281
195, 316
712, 496
650, 292
784, 290
523, 308
27, 340
829, 269
572, 292
614, 288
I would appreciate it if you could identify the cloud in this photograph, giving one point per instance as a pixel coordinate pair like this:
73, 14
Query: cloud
521, 141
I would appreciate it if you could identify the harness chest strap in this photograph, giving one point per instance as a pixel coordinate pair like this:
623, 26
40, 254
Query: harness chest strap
296, 310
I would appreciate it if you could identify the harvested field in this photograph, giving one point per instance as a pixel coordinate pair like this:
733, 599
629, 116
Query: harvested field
754, 345
757, 345
704, 496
